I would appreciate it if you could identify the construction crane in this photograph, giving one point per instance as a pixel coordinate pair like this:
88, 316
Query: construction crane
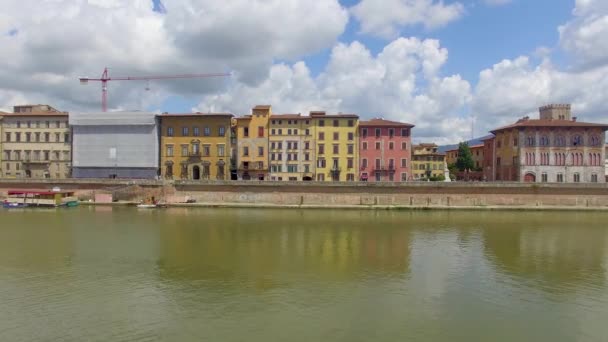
105, 78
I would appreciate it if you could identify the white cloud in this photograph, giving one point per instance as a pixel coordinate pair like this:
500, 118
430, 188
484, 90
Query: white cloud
400, 83
60, 40
386, 18
584, 37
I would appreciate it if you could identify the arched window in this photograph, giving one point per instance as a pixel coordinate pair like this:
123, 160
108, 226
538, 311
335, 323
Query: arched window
577, 140
530, 140
594, 140
560, 141
544, 140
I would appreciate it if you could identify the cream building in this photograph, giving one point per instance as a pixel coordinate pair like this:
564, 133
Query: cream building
292, 148
36, 143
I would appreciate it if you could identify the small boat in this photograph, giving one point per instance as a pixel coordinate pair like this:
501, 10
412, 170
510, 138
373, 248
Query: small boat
151, 205
40, 198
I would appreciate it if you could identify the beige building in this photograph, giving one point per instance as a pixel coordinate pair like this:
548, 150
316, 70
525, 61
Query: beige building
36, 143
427, 161
252, 144
292, 149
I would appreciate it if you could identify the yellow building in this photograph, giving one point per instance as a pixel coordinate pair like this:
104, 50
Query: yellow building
36, 143
292, 149
336, 146
252, 144
195, 146
427, 161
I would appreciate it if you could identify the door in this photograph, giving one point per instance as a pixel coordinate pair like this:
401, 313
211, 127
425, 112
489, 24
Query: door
530, 178
196, 172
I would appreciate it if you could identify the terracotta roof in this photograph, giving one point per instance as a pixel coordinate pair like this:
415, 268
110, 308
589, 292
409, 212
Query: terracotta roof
197, 114
549, 123
35, 114
288, 116
262, 107
245, 117
384, 123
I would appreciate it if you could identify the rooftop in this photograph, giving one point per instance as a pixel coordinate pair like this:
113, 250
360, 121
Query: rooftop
526, 122
197, 114
377, 122
262, 107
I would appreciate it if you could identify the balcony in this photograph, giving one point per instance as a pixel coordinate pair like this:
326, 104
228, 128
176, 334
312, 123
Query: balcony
383, 168
335, 169
252, 166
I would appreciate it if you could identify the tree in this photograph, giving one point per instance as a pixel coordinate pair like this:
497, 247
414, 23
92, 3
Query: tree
465, 157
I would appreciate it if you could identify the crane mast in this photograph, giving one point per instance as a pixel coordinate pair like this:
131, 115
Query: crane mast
105, 78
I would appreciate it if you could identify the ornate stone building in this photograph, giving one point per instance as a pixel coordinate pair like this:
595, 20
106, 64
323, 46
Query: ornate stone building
554, 148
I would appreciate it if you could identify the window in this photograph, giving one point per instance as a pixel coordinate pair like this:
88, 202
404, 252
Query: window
363, 163
321, 163
577, 140
391, 132
577, 178
364, 147
404, 177
289, 132
57, 137
377, 145
544, 140
169, 151
560, 178
377, 164
321, 149
378, 132
273, 145
36, 155
404, 162
221, 150
544, 177
336, 123
273, 131
320, 177
351, 136
169, 131
7, 137
280, 131
260, 165
351, 149
295, 132
391, 145
530, 141
364, 132
28, 137
260, 151
405, 132
295, 145
391, 164
321, 136
245, 131
272, 156
245, 151
336, 136
594, 178
307, 131
47, 137
336, 149
18, 136
196, 132
57, 156
560, 141
58, 124
185, 131
351, 123
514, 141
321, 123
350, 163
29, 124
280, 145
66, 137
37, 136
378, 177
594, 141
292, 168
307, 145
184, 150
7, 155
46, 155
306, 156
391, 177
404, 145
280, 156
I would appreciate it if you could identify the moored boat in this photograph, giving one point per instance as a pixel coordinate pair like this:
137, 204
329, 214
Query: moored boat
40, 198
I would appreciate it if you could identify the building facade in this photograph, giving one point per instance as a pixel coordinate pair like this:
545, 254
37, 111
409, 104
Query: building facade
292, 148
385, 151
427, 161
477, 152
115, 145
36, 143
554, 148
488, 158
195, 146
336, 146
252, 144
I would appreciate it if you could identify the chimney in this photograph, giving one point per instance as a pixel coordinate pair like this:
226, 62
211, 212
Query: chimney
574, 118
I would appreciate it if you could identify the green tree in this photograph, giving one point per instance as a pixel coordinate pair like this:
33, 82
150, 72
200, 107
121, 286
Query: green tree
465, 157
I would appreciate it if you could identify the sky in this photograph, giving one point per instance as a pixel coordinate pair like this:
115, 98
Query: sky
453, 68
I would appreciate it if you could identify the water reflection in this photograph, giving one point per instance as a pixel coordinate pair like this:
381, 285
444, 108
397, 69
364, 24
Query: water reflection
257, 246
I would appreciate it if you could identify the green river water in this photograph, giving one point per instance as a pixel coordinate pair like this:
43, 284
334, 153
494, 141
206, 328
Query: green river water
122, 274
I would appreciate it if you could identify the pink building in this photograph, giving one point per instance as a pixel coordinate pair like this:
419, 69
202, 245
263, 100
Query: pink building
385, 151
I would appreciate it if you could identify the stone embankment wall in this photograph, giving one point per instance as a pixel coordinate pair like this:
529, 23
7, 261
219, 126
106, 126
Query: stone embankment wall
341, 195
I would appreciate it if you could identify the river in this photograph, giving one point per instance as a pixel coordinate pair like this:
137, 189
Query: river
122, 274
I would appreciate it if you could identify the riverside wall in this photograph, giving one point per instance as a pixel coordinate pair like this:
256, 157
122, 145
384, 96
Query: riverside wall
414, 195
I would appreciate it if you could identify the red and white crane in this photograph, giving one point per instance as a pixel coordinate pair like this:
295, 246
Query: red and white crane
105, 78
